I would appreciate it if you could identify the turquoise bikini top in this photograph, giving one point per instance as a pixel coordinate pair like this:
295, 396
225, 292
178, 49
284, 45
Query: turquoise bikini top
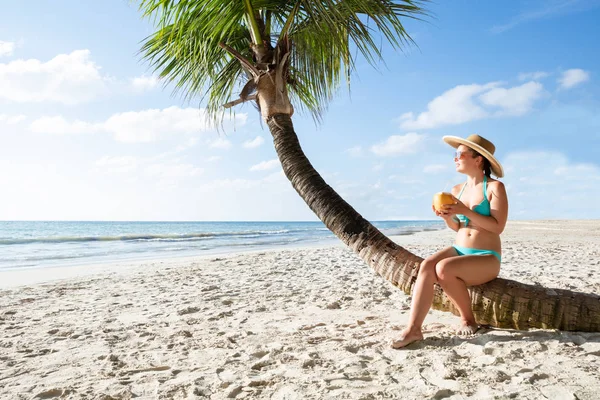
482, 208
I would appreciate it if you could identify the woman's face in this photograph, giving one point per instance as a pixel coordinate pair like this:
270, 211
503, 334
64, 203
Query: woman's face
465, 160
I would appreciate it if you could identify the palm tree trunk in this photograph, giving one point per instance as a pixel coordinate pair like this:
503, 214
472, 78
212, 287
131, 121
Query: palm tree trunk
501, 303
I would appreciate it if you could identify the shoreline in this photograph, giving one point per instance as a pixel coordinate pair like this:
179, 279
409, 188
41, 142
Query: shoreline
31, 249
424, 239
15, 277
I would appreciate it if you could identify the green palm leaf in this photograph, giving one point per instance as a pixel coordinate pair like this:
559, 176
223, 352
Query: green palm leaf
185, 50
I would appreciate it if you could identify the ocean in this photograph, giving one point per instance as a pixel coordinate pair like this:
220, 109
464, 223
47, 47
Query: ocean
38, 244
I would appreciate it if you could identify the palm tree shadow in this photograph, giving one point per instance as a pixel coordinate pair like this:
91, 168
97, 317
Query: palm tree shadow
488, 334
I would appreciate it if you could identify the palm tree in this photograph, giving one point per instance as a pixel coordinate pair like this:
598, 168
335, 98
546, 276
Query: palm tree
277, 53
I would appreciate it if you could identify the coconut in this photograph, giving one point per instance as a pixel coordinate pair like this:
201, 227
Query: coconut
440, 199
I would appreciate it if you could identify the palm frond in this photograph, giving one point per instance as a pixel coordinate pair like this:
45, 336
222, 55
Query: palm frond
186, 51
324, 38
185, 48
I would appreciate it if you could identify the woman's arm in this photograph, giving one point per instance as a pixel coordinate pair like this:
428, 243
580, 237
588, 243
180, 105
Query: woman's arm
499, 210
452, 223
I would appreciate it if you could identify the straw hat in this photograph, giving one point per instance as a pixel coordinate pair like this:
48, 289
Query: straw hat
480, 145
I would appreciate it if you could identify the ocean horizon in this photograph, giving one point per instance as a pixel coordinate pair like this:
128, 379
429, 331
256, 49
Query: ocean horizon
40, 244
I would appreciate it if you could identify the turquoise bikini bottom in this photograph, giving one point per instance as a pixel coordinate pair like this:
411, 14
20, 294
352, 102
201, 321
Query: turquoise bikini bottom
468, 251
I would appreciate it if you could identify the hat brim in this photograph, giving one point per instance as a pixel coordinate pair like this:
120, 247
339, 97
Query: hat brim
456, 141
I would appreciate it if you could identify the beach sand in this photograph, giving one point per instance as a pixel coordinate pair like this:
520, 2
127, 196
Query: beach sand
307, 323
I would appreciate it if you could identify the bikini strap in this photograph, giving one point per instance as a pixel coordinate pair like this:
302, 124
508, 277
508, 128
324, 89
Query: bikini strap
461, 190
484, 187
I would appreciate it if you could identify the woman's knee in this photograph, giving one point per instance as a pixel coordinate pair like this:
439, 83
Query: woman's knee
443, 270
427, 268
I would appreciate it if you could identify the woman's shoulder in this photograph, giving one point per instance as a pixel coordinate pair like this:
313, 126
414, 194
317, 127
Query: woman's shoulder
456, 188
495, 186
494, 183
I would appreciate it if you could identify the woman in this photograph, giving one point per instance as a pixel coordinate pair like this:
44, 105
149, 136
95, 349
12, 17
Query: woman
478, 216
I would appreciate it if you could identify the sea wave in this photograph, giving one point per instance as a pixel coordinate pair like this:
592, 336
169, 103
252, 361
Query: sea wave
146, 237
409, 230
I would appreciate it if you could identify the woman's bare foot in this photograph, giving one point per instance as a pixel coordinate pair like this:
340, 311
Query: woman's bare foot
467, 328
407, 337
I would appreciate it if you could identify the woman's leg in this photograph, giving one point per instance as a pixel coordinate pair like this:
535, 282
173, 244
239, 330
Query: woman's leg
456, 273
422, 297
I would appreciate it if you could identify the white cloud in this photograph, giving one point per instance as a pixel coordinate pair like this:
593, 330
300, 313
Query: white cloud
554, 190
118, 164
59, 126
188, 143
573, 77
252, 144
465, 103
153, 175
164, 172
346, 189
399, 144
222, 185
67, 78
533, 76
143, 83
150, 125
276, 177
578, 171
170, 171
213, 159
228, 185
137, 126
12, 119
7, 48
435, 168
514, 101
377, 167
220, 143
265, 165
355, 151
455, 106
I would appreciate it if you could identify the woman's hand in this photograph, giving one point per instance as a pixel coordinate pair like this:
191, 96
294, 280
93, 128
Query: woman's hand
449, 218
457, 208
442, 214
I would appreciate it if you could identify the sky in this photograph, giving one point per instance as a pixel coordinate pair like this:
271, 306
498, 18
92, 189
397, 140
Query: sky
88, 133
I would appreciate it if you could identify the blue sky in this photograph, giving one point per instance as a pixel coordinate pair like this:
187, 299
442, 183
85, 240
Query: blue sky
86, 132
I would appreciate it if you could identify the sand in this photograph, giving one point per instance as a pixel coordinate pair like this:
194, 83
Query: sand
307, 323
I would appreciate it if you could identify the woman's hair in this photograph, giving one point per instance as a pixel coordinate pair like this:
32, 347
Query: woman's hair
487, 166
